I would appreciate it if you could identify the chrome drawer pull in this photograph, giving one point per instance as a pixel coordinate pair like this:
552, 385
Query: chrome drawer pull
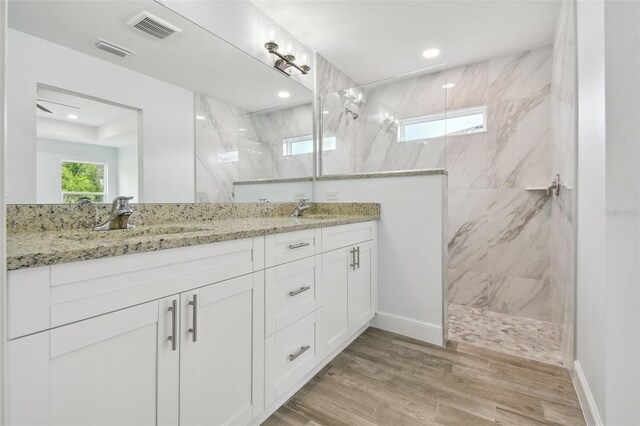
353, 258
174, 320
358, 257
194, 330
302, 350
300, 290
299, 245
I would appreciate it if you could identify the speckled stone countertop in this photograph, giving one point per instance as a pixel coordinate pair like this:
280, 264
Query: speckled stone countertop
283, 180
376, 175
50, 245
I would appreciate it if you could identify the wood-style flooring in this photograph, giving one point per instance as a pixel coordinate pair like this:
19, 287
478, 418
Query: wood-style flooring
387, 379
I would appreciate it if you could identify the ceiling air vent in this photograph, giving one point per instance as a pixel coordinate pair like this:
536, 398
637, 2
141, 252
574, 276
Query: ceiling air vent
153, 26
113, 48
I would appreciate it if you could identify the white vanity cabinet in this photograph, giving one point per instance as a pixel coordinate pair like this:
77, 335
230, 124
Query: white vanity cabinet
117, 368
217, 375
348, 299
214, 334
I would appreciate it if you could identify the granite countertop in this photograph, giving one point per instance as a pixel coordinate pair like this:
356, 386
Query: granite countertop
32, 249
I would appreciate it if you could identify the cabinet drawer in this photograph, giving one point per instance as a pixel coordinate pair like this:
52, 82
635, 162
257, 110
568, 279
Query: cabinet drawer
290, 246
290, 355
335, 237
290, 293
51, 296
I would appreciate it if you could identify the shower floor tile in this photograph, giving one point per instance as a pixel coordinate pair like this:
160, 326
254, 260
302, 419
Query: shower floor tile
523, 337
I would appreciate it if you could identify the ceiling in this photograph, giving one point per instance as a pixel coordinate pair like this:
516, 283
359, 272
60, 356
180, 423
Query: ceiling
194, 59
92, 122
374, 40
89, 112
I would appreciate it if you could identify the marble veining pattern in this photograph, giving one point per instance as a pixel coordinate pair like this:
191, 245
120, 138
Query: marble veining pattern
216, 138
523, 337
261, 143
498, 232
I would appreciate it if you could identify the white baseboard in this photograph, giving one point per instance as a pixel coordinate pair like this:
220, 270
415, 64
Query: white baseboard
587, 403
421, 330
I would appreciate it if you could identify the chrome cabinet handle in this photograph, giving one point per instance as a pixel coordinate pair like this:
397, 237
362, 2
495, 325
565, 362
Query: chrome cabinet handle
194, 330
300, 290
174, 317
300, 351
353, 258
299, 245
358, 256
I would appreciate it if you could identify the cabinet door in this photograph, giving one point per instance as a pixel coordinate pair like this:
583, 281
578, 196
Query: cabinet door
361, 307
335, 278
115, 369
216, 380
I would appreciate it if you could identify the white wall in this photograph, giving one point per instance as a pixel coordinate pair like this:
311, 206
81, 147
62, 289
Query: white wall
128, 171
590, 278
410, 248
167, 169
241, 24
608, 249
50, 155
622, 96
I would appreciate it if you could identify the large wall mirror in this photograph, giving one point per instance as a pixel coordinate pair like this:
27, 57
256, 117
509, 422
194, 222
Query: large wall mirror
100, 104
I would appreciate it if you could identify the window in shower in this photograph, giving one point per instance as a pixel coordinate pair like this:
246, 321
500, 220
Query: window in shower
457, 122
304, 145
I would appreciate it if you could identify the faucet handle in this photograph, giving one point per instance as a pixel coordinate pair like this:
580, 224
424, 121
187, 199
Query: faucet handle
120, 203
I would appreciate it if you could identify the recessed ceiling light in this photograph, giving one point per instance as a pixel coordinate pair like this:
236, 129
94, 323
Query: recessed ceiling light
325, 112
448, 86
72, 116
242, 129
431, 53
200, 117
284, 94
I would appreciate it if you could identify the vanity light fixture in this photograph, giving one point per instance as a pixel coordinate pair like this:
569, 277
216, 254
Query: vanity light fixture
200, 117
448, 86
286, 60
284, 94
431, 53
72, 116
325, 112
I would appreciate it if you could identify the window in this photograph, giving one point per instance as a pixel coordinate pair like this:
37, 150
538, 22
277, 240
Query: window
457, 122
83, 181
227, 157
304, 145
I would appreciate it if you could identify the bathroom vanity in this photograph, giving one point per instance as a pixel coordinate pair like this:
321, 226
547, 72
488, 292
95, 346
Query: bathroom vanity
208, 322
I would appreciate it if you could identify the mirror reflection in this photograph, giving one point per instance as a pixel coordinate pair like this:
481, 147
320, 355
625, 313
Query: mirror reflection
181, 116
87, 150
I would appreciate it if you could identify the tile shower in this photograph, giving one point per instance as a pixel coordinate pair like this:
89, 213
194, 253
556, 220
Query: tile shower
509, 273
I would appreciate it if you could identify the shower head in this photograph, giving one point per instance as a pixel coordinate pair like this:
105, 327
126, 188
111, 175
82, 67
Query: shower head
353, 114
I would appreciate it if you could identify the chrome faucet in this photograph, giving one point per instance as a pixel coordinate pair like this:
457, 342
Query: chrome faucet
119, 216
300, 207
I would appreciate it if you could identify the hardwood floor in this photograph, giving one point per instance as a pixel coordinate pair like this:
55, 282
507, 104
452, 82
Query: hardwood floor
386, 379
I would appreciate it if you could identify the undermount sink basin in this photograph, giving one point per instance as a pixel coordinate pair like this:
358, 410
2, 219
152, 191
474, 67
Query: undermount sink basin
130, 233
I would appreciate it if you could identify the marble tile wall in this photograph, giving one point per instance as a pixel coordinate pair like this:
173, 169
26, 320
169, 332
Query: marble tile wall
216, 141
256, 141
369, 143
261, 137
563, 103
499, 233
330, 84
